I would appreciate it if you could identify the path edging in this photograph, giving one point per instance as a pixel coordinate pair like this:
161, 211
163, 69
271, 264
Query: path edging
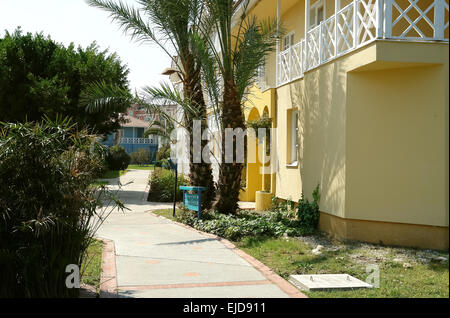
108, 278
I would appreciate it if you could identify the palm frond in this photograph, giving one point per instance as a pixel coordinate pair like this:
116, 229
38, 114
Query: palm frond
130, 21
101, 96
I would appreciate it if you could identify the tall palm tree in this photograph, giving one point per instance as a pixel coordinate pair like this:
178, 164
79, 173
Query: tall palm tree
171, 25
243, 44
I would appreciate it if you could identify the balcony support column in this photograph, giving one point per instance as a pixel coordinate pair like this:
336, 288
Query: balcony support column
277, 56
387, 21
380, 21
337, 7
307, 6
355, 24
439, 19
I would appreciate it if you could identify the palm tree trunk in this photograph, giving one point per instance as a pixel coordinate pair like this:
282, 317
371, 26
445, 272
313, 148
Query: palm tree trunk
200, 173
229, 184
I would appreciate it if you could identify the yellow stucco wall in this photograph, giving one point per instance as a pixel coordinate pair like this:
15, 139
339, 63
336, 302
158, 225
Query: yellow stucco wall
397, 141
373, 133
259, 103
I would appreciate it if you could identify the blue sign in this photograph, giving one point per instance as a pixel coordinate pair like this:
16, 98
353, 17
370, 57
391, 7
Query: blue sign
193, 201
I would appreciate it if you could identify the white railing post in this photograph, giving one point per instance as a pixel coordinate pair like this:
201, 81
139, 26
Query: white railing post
337, 7
355, 24
439, 19
379, 19
387, 25
289, 62
307, 5
320, 42
277, 59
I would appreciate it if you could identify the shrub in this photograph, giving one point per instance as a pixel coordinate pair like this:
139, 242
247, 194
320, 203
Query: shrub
140, 156
48, 211
161, 186
235, 227
163, 153
117, 158
308, 212
286, 207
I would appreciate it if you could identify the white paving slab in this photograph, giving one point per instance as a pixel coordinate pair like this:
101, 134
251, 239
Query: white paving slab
327, 282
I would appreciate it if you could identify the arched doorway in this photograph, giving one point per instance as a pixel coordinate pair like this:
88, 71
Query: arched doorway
251, 174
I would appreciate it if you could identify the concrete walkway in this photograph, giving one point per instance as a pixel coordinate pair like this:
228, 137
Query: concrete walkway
155, 257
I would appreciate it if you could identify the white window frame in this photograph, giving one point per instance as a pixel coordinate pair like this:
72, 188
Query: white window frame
315, 7
294, 138
290, 38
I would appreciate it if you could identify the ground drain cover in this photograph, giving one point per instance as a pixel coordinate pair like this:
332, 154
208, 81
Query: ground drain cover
327, 282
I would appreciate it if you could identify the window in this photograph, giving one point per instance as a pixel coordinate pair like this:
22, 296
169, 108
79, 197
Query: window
292, 132
288, 41
294, 137
316, 13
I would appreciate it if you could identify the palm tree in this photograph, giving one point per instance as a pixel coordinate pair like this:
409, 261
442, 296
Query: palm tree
171, 24
241, 51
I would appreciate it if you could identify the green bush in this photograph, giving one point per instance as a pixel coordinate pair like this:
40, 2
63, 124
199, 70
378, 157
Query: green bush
48, 210
161, 186
235, 227
163, 153
308, 212
117, 158
140, 156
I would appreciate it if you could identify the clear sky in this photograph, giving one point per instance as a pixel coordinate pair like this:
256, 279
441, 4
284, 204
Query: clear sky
74, 21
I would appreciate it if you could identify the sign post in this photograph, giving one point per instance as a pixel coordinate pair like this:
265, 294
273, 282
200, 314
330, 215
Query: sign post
193, 201
174, 166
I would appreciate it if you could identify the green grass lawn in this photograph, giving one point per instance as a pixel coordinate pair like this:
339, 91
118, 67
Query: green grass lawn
167, 213
91, 268
401, 274
404, 272
143, 167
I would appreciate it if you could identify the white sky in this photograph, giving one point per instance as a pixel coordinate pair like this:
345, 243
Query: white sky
74, 21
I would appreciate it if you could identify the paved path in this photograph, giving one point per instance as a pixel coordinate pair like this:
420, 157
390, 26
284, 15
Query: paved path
155, 257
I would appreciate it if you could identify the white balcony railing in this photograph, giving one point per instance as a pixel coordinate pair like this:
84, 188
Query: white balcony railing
136, 141
360, 23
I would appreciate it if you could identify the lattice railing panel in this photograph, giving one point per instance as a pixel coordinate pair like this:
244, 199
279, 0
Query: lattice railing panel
328, 39
359, 23
297, 59
345, 30
313, 47
412, 19
366, 21
284, 66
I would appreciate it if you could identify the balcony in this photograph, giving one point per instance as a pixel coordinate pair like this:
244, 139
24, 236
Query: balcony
136, 141
360, 23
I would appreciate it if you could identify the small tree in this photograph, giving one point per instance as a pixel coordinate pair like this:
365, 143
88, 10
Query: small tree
117, 158
39, 77
140, 156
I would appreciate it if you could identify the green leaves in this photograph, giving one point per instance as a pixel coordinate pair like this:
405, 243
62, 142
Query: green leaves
103, 97
308, 212
245, 224
48, 210
41, 77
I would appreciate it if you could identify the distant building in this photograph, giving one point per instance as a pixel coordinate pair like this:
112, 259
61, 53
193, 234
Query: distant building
131, 137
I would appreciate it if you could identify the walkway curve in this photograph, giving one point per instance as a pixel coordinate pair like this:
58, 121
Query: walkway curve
150, 256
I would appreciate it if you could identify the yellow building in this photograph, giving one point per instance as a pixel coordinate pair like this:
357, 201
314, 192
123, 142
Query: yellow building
358, 92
